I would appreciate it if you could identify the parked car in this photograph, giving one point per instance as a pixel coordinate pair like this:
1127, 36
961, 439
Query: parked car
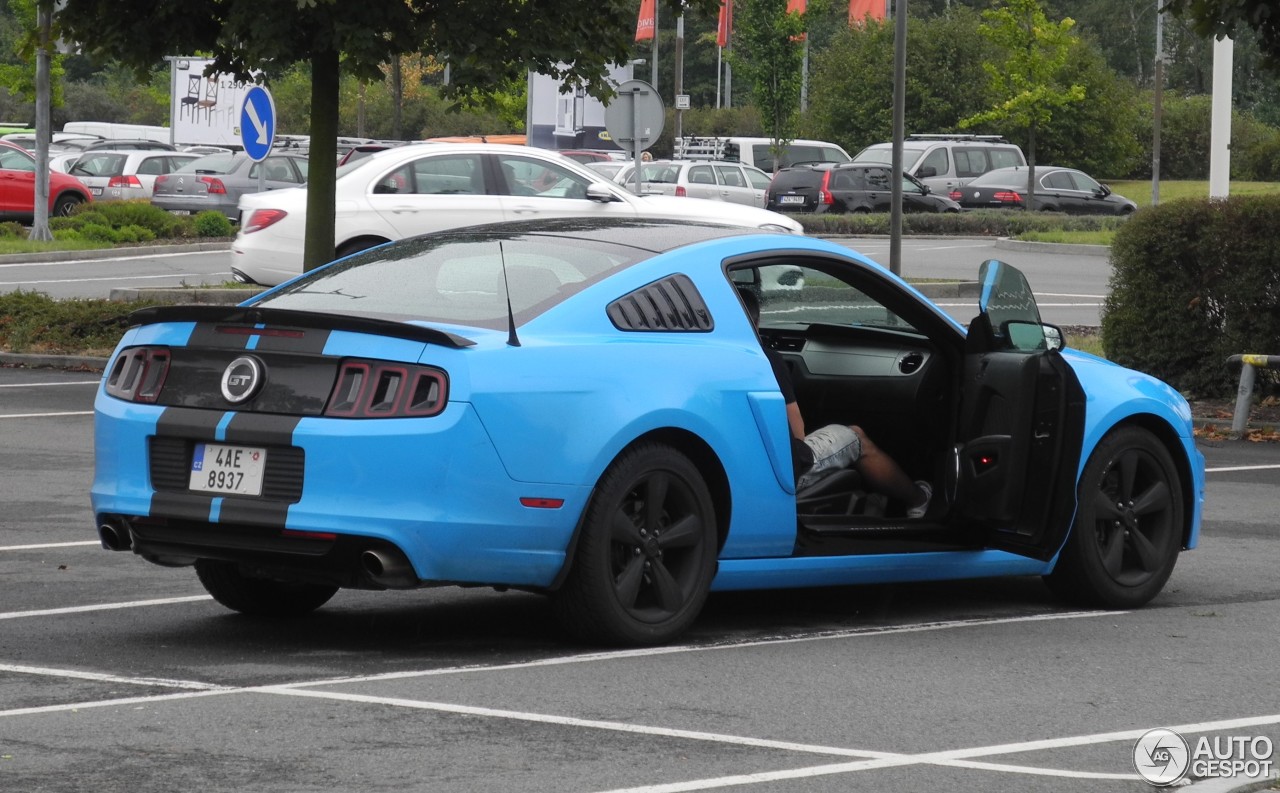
945, 162
609, 169
1057, 190
360, 151
138, 144
582, 407
61, 161
18, 186
58, 141
119, 175
734, 182
425, 187
219, 181
586, 156
849, 188
758, 152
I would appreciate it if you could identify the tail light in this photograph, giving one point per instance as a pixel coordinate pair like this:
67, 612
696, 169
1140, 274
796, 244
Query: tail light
138, 374
216, 187
1008, 197
124, 181
681, 192
824, 192
378, 389
956, 195
259, 219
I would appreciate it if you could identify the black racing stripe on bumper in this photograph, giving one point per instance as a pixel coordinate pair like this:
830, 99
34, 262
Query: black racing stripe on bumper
189, 423
262, 429
206, 335
187, 506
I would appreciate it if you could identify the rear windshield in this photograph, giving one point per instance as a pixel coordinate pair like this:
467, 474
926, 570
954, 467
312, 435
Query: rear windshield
799, 177
211, 163
462, 279
99, 165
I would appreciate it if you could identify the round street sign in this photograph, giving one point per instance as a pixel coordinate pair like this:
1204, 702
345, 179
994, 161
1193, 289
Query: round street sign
258, 123
636, 112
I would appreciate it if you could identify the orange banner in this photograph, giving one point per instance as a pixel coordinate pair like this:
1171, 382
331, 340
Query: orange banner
726, 23
645, 24
859, 10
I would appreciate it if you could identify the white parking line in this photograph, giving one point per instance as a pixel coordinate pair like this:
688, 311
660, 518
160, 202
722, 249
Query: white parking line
45, 415
966, 758
45, 385
101, 261
1227, 468
14, 615
45, 545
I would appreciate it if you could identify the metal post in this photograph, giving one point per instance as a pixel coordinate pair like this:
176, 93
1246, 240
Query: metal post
1249, 364
40, 220
1157, 106
899, 133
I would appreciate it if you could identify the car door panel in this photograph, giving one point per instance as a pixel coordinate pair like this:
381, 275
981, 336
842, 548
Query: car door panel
435, 192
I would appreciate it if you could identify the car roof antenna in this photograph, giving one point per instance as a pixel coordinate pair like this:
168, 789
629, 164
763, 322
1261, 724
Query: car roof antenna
512, 340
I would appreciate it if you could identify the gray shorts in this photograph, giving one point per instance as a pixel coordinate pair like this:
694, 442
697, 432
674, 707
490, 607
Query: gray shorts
834, 446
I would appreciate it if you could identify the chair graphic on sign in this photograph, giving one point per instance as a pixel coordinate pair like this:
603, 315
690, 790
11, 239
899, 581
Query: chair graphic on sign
210, 99
193, 96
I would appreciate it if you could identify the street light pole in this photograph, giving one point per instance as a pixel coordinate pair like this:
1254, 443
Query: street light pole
40, 216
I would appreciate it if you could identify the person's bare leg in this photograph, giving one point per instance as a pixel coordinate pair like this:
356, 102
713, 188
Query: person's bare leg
884, 475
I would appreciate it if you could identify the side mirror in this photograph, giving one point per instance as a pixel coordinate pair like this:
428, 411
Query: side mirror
926, 171
1031, 336
600, 192
926, 189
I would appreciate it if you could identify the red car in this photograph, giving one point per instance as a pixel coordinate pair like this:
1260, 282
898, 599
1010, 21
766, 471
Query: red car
18, 186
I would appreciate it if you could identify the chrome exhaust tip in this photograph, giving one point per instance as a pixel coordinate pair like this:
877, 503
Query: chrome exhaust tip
390, 570
115, 538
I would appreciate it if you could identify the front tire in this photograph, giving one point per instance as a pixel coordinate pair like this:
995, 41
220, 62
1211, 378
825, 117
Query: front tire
260, 597
1128, 527
66, 204
646, 554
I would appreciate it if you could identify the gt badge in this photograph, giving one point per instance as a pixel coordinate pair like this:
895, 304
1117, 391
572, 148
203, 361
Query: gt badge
242, 379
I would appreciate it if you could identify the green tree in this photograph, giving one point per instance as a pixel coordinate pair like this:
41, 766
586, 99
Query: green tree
1220, 18
1027, 81
486, 43
768, 52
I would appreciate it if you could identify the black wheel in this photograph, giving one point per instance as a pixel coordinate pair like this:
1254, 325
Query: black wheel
355, 246
260, 597
66, 204
646, 554
1128, 527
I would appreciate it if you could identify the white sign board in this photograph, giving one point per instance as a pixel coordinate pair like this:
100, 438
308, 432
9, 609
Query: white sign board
204, 110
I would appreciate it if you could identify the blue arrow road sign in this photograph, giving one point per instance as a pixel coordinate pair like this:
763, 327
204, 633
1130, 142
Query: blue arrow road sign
258, 123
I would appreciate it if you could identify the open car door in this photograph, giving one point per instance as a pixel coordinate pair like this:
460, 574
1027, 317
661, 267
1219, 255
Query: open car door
1021, 422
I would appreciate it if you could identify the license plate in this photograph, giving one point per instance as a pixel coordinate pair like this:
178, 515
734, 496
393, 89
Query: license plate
219, 468
180, 211
791, 199
95, 190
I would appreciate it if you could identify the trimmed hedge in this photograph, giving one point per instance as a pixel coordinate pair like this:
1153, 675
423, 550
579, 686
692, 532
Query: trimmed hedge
980, 223
1193, 282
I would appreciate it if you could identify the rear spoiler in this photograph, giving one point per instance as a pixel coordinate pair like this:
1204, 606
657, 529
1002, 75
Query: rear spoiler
253, 315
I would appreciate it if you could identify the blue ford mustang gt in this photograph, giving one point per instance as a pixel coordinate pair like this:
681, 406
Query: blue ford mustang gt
583, 408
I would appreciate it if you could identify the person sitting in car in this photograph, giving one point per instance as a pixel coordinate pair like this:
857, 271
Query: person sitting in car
817, 454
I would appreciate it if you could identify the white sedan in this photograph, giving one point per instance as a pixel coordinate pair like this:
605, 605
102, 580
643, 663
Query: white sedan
420, 188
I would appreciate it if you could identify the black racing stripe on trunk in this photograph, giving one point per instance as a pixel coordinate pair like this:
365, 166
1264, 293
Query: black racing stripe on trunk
236, 511
188, 506
189, 423
262, 429
206, 335
310, 341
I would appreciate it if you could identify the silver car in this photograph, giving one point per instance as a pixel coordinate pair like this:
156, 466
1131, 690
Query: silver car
217, 181
734, 182
120, 175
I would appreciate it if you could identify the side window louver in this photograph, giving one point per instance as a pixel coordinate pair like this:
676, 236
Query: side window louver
672, 304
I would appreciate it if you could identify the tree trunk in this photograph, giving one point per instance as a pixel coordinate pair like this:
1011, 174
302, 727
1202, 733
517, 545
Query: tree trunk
323, 158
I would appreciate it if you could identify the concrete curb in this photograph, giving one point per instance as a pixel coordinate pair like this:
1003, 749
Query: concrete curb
1073, 249
112, 253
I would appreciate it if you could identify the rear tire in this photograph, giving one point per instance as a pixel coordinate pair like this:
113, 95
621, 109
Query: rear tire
355, 246
1128, 527
260, 597
647, 552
